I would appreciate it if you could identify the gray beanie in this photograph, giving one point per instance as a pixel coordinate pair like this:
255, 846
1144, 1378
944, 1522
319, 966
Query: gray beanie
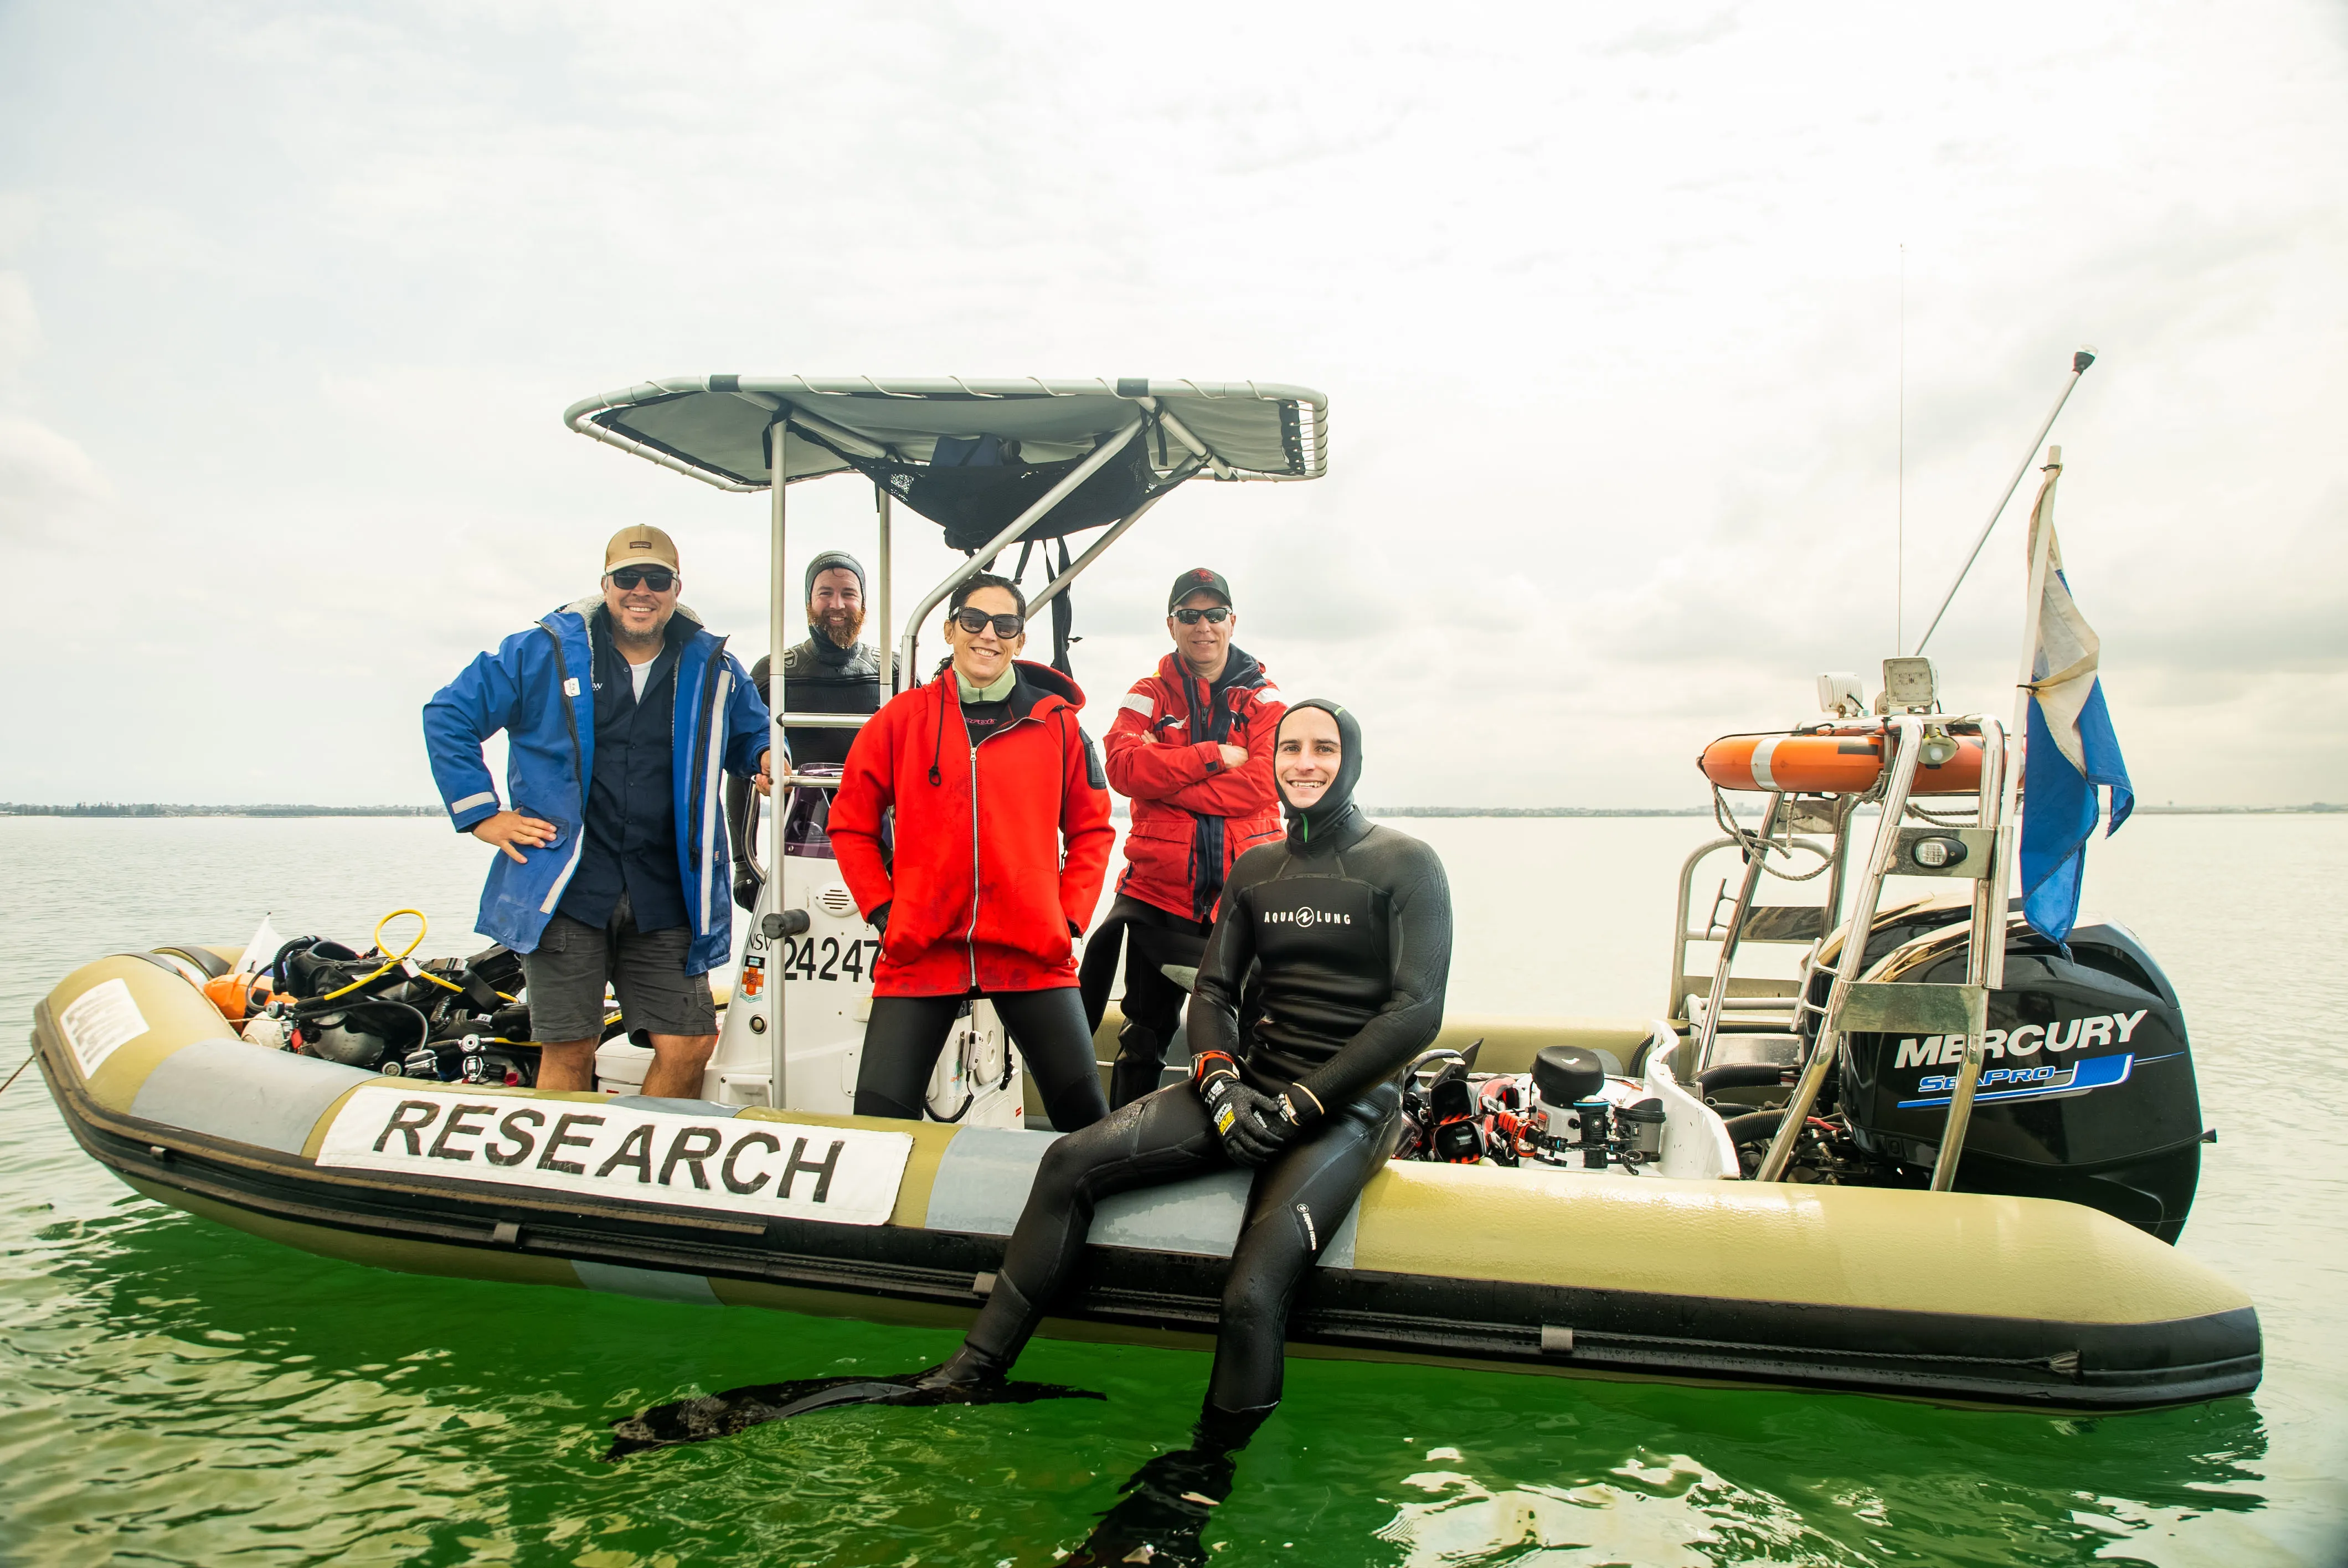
830, 560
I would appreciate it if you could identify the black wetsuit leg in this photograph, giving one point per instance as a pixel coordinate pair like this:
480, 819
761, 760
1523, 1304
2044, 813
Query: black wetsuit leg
901, 1041
1298, 1203
1048, 1027
905, 1035
1152, 1004
1161, 1137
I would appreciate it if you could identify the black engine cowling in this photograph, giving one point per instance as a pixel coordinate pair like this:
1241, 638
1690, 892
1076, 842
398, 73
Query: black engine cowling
2086, 1091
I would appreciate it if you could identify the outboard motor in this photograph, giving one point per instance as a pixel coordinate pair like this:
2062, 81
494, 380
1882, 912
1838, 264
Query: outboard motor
2086, 1090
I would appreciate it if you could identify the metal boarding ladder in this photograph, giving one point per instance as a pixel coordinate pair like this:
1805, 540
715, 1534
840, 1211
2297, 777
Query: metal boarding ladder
1857, 1006
1762, 1015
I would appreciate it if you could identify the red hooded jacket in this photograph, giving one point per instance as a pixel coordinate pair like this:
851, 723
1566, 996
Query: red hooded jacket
1192, 816
981, 896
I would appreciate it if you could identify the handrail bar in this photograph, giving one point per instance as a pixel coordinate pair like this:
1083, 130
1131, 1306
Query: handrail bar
825, 720
1909, 729
1687, 893
1754, 860
1094, 462
1059, 584
1984, 957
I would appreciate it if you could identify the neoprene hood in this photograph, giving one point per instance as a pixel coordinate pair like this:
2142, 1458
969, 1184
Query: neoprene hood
831, 560
1336, 803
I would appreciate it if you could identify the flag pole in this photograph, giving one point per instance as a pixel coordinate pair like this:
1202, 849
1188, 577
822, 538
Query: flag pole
2009, 827
2080, 361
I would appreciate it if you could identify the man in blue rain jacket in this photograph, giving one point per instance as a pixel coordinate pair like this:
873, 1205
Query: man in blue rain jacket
621, 713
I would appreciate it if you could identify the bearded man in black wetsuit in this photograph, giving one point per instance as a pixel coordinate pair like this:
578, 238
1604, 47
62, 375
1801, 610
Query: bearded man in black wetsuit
831, 672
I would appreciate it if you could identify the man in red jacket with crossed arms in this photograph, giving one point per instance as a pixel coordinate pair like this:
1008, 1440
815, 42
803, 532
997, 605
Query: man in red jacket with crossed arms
1191, 747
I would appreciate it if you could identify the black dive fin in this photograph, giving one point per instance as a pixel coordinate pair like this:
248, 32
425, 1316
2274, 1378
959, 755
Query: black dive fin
1168, 1502
698, 1421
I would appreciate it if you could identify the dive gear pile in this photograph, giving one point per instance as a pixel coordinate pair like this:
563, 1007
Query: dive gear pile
1565, 1112
449, 1019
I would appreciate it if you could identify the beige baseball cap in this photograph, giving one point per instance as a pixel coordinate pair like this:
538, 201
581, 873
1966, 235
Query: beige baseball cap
642, 544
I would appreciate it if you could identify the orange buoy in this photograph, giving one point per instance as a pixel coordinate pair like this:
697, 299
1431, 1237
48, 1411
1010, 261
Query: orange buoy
1829, 764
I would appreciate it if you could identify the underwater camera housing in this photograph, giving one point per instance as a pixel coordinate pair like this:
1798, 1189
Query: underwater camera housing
2086, 1091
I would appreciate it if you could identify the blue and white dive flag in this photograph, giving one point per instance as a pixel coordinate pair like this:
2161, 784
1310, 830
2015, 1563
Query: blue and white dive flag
2072, 749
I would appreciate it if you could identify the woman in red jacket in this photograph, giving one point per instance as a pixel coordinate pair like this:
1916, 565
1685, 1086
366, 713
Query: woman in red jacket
989, 774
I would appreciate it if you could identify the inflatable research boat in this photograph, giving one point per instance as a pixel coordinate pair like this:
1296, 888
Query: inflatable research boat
1920, 1153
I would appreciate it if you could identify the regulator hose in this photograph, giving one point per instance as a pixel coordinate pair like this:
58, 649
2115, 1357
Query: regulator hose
391, 963
422, 926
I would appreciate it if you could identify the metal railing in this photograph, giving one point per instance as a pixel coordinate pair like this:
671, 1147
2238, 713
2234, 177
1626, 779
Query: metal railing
1748, 921
1856, 1005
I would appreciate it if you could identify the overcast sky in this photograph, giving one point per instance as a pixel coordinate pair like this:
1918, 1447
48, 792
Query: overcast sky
1606, 301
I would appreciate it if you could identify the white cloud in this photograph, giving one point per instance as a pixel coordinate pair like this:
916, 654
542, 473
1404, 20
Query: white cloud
48, 486
1608, 313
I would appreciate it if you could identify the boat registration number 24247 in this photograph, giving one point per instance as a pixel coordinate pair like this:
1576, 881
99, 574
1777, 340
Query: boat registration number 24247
739, 1165
827, 958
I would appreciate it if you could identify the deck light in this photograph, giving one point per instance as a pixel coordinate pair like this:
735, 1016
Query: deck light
1940, 852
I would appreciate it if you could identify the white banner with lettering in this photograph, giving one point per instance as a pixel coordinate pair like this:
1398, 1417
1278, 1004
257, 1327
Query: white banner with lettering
841, 1174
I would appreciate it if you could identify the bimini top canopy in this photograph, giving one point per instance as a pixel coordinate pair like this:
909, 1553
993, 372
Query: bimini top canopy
716, 427
993, 463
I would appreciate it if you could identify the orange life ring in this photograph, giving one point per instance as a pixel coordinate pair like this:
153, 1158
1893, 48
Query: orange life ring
1830, 764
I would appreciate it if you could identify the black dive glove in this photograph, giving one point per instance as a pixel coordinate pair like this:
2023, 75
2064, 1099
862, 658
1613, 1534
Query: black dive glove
879, 919
747, 886
1254, 1125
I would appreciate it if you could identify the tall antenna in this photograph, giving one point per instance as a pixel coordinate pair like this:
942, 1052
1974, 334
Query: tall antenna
1900, 526
2080, 361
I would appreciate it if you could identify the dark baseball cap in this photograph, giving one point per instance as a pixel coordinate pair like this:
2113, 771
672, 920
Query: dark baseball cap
1198, 579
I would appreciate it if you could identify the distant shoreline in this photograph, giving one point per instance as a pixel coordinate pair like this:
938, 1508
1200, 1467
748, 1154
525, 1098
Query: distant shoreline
152, 809
1751, 807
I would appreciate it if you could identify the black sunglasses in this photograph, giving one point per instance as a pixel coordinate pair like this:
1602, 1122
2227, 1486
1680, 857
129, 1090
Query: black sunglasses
977, 620
1214, 615
660, 580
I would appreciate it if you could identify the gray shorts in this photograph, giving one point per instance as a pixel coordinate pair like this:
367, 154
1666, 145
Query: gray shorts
574, 962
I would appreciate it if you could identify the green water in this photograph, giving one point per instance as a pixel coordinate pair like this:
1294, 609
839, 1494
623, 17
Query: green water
178, 1393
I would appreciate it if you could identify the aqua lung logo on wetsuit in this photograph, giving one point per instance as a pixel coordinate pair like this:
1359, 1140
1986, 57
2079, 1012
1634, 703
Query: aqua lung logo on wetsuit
1308, 916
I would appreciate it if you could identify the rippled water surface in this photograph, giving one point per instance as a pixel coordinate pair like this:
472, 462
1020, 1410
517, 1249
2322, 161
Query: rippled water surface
178, 1393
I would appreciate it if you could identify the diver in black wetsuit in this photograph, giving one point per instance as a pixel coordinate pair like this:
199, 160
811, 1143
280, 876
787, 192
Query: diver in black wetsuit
1341, 935
1348, 926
